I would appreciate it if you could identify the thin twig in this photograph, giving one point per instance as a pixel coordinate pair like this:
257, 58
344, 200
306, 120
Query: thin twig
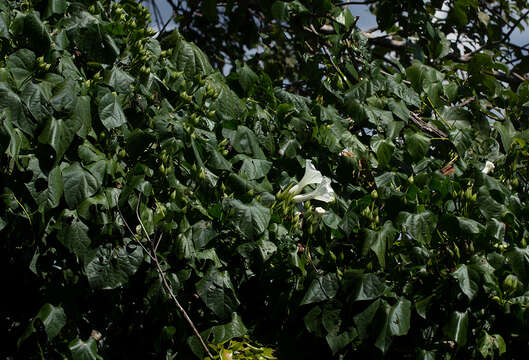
139, 218
514, 26
467, 101
154, 257
133, 234
158, 243
426, 126
162, 30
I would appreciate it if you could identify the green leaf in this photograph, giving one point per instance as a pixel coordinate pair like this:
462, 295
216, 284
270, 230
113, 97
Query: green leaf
119, 80
383, 148
384, 338
138, 141
79, 184
110, 267
301, 103
339, 341
52, 317
55, 187
21, 64
487, 344
417, 144
456, 328
4, 26
461, 138
399, 317
65, 96
368, 287
405, 93
266, 249
378, 241
190, 59
364, 320
245, 142
255, 169
75, 237
280, 11
489, 207
496, 229
33, 33
81, 116
251, 220
217, 292
425, 355
518, 259
419, 226
59, 134
331, 320
55, 7
227, 105
313, 321
469, 225
33, 98
421, 76
464, 276
219, 334
247, 78
14, 108
423, 304
84, 350
203, 233
457, 117
110, 111
322, 288
233, 329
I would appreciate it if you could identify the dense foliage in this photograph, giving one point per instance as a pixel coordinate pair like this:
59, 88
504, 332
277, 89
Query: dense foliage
315, 203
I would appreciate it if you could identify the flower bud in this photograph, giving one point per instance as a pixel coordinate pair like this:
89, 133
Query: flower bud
511, 283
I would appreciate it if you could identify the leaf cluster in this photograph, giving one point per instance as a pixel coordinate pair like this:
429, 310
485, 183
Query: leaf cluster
421, 254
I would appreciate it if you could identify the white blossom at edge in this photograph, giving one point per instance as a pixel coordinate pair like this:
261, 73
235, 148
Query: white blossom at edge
323, 192
319, 210
311, 176
489, 166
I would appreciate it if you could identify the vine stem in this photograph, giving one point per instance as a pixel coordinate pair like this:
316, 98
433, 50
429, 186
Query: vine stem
154, 257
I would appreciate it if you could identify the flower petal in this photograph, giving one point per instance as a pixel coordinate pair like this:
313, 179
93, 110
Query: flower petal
489, 166
323, 192
311, 176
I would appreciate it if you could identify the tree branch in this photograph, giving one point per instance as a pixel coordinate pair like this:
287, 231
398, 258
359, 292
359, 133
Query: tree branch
514, 26
427, 127
154, 257
514, 79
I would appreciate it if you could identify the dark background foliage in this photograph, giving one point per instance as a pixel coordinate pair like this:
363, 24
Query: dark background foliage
106, 122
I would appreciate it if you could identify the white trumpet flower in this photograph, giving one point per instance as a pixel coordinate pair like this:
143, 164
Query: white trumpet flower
323, 192
489, 166
311, 176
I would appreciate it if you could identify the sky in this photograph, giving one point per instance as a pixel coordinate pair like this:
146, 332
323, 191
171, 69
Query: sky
366, 20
